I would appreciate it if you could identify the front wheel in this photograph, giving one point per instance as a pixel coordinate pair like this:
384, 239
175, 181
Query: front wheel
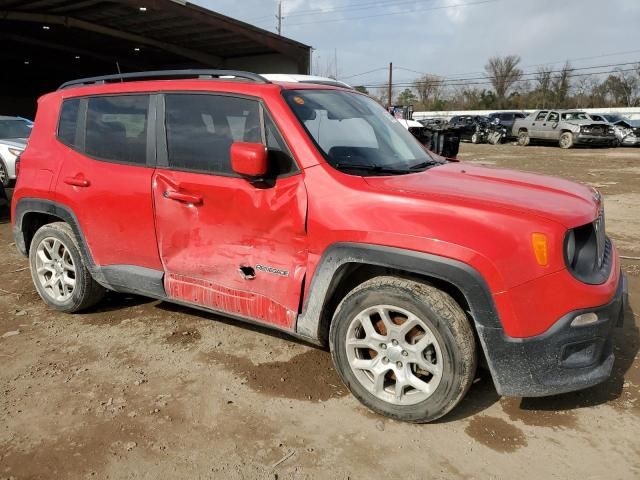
475, 138
566, 140
58, 271
405, 349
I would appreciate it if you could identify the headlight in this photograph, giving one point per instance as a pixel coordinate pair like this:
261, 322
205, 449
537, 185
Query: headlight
14, 151
586, 250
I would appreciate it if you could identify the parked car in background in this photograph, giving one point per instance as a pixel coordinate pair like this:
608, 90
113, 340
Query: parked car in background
309, 209
566, 127
14, 132
627, 131
472, 128
506, 119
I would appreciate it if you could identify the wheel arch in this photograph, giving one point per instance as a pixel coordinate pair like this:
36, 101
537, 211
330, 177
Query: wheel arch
343, 266
33, 213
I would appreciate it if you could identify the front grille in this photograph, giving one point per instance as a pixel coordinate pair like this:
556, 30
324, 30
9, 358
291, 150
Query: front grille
595, 129
601, 237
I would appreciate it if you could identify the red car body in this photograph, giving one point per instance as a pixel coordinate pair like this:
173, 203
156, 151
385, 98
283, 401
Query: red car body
480, 220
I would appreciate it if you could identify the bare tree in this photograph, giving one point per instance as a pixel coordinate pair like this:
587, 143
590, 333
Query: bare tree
560, 85
627, 86
381, 94
503, 72
428, 88
543, 86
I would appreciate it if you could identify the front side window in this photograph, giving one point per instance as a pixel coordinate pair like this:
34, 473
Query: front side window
116, 128
201, 129
353, 132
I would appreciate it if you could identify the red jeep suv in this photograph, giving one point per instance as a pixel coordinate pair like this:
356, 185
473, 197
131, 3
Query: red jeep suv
308, 208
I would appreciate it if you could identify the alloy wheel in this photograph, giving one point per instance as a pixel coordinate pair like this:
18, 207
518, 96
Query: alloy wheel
394, 354
55, 269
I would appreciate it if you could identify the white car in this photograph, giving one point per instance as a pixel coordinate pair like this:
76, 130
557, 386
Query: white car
295, 78
14, 132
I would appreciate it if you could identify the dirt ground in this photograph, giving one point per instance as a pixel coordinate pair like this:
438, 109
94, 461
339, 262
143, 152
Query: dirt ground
144, 389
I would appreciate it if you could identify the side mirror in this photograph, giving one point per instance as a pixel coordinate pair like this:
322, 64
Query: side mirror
249, 159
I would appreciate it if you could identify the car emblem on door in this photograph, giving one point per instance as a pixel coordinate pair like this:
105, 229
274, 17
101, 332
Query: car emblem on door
275, 271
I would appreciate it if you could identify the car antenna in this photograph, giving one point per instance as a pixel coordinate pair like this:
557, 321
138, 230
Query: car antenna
119, 71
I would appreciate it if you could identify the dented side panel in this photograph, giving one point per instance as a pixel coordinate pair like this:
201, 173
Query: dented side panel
242, 249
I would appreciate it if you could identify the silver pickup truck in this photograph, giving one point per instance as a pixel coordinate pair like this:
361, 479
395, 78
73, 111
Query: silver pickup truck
567, 127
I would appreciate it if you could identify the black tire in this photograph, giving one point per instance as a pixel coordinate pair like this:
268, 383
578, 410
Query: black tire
86, 292
4, 175
566, 140
448, 325
523, 139
475, 138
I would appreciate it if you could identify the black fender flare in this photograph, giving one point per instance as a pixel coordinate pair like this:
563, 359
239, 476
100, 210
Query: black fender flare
49, 207
464, 277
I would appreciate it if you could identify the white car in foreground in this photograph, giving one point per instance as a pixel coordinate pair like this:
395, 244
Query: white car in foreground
14, 132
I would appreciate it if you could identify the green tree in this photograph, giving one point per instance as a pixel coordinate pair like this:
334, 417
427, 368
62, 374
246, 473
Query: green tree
361, 89
406, 97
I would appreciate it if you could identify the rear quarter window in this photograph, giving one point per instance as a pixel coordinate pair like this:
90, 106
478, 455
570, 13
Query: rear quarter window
68, 122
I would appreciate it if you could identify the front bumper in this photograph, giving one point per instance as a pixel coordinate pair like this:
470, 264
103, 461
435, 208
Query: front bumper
562, 359
630, 141
588, 139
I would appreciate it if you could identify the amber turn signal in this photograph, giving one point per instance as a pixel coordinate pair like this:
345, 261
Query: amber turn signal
540, 248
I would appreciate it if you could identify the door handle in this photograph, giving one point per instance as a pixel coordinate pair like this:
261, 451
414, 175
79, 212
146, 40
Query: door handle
77, 181
182, 197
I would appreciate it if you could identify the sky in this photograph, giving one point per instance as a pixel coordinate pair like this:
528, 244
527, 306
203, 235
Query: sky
449, 38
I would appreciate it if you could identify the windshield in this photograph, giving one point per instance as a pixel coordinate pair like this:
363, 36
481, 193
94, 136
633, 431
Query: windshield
14, 128
613, 118
356, 133
575, 116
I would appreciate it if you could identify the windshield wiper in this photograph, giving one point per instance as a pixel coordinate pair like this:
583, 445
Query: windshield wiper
425, 164
371, 168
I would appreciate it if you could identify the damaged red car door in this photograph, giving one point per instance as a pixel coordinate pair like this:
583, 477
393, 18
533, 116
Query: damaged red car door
226, 242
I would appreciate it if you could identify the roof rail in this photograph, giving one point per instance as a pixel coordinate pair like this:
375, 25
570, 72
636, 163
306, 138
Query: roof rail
163, 74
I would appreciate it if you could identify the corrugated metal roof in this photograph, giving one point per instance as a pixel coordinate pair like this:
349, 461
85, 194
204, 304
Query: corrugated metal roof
189, 34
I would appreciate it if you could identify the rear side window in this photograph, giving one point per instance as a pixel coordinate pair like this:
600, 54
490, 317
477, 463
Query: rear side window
68, 124
201, 129
116, 128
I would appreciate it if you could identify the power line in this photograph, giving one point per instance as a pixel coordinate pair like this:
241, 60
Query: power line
357, 6
403, 12
444, 80
452, 75
464, 84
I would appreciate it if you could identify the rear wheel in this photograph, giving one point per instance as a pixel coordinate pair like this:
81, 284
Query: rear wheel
523, 139
566, 140
405, 349
58, 272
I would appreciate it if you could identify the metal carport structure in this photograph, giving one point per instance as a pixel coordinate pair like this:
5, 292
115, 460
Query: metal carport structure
46, 42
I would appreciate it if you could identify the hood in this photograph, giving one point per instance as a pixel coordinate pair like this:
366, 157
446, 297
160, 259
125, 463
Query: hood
20, 143
563, 201
585, 122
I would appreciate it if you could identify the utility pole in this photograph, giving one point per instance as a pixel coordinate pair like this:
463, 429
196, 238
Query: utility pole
279, 17
390, 100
